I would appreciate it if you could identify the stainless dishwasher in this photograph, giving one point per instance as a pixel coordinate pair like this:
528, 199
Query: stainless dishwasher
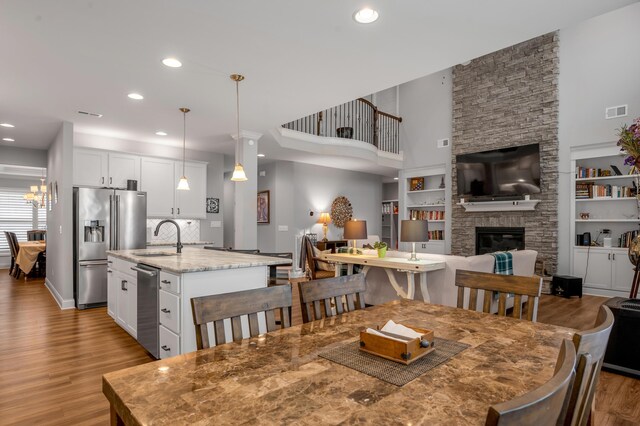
148, 287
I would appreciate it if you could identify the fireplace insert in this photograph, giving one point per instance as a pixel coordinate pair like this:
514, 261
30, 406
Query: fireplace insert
491, 239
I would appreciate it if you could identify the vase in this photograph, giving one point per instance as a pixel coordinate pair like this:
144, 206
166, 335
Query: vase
382, 252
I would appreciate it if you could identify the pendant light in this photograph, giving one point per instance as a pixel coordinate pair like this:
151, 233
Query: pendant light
238, 171
38, 199
183, 184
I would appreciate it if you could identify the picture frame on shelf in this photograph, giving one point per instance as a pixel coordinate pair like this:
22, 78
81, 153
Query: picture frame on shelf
416, 184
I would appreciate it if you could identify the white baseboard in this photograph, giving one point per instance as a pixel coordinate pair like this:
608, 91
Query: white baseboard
63, 303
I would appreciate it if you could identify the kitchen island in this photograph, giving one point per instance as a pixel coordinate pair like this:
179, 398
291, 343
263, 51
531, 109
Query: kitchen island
181, 276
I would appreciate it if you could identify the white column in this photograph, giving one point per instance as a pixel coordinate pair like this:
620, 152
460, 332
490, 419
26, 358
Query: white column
246, 193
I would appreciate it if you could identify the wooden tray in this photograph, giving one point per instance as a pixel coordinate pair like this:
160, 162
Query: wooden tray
404, 352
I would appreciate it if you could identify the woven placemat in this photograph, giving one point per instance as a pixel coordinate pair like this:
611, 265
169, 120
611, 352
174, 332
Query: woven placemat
390, 371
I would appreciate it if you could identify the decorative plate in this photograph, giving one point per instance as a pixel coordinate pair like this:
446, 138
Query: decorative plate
341, 211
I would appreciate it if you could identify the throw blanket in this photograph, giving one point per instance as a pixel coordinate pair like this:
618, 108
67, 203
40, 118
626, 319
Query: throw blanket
504, 263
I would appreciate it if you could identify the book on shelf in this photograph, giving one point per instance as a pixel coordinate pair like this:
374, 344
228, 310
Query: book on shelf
626, 237
426, 214
588, 172
585, 190
436, 235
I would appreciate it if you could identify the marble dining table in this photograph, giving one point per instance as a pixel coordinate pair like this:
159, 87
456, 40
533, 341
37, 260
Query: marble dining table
278, 377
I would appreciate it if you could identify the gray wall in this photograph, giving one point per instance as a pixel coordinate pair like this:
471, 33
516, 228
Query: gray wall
296, 189
390, 191
599, 67
60, 220
228, 206
23, 156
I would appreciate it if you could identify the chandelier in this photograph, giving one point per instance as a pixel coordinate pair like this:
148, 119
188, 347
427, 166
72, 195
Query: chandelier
37, 194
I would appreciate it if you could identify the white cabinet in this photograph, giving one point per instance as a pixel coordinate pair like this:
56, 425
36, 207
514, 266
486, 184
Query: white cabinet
90, 167
123, 167
157, 179
122, 294
169, 343
192, 204
96, 168
606, 271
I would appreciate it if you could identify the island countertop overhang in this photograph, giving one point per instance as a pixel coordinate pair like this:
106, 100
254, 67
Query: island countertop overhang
196, 260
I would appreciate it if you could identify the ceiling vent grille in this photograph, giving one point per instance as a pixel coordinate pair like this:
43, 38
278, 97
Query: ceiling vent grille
91, 114
615, 112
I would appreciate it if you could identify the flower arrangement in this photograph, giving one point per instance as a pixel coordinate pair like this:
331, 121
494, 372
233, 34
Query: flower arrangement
629, 143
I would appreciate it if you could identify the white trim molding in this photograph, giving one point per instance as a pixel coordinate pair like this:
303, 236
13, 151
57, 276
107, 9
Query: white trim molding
499, 206
63, 303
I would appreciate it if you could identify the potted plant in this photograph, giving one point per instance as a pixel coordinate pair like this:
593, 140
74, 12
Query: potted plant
381, 246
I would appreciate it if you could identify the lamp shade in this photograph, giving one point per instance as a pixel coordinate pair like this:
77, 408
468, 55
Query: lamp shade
183, 184
355, 230
413, 231
324, 219
238, 174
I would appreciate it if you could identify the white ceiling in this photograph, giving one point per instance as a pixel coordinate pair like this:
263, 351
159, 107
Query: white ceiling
299, 57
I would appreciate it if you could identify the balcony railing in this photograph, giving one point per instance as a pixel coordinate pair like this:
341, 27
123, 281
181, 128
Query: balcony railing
359, 120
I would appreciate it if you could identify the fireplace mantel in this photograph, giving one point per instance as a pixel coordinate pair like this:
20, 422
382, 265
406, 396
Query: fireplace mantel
499, 206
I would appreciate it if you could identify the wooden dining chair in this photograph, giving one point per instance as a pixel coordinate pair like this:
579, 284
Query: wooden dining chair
590, 346
215, 309
503, 285
313, 262
329, 292
11, 252
541, 406
36, 235
14, 247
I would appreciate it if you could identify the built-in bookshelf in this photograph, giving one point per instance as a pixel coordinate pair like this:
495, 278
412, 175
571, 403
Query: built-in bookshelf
423, 194
604, 206
390, 228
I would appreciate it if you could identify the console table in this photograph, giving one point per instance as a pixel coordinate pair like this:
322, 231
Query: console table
333, 245
422, 266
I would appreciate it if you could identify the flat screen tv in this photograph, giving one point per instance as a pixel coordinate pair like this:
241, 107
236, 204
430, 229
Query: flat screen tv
506, 172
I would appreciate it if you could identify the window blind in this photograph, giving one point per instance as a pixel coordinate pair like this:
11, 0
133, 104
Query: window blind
16, 215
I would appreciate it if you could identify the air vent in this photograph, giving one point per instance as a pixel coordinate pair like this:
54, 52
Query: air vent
91, 114
443, 143
615, 112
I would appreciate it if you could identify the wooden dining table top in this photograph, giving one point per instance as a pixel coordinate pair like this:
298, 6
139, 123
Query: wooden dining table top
278, 378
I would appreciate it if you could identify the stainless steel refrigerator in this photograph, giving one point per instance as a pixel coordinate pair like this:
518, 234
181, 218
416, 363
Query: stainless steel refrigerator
104, 219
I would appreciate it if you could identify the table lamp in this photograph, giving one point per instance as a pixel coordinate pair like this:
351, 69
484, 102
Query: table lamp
414, 231
355, 230
325, 219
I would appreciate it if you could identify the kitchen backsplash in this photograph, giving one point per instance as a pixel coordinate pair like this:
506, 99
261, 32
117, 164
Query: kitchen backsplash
189, 231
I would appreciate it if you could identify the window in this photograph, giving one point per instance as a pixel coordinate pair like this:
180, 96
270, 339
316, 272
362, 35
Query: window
16, 215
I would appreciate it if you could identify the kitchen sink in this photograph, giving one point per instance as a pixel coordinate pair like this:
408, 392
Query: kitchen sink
160, 254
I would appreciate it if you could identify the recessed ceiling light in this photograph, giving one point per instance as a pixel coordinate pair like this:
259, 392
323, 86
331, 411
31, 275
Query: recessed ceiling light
172, 62
395, 178
365, 16
161, 133
8, 140
261, 155
136, 96
6, 125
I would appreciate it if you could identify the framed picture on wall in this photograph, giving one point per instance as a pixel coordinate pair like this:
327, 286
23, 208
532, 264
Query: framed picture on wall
49, 196
264, 213
213, 205
55, 192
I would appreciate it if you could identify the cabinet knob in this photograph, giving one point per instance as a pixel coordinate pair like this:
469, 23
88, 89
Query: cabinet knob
165, 310
165, 282
102, 182
171, 210
165, 348
109, 271
614, 256
178, 210
609, 256
110, 180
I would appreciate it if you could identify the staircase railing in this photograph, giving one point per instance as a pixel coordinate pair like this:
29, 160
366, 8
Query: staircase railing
358, 119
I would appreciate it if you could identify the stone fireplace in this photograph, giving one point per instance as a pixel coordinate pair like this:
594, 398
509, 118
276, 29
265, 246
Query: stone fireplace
490, 239
504, 99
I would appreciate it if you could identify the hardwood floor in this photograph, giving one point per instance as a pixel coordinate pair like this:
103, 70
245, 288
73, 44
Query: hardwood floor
52, 361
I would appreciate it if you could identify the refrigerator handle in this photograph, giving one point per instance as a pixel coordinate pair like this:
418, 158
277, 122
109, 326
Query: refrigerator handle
111, 225
117, 222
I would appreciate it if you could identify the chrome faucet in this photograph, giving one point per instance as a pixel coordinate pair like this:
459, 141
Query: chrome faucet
179, 245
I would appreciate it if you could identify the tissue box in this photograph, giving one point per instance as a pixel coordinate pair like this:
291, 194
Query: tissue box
404, 352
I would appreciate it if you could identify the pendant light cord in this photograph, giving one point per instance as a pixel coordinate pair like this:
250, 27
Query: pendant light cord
184, 139
237, 118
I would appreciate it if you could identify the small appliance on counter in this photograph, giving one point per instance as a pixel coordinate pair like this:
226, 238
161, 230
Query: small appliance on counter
583, 239
104, 219
623, 350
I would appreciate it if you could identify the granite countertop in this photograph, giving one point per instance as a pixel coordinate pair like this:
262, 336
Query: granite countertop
173, 243
196, 260
278, 378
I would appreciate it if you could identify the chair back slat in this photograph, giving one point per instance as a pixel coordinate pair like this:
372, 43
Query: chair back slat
501, 284
216, 308
270, 318
544, 405
590, 346
330, 291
